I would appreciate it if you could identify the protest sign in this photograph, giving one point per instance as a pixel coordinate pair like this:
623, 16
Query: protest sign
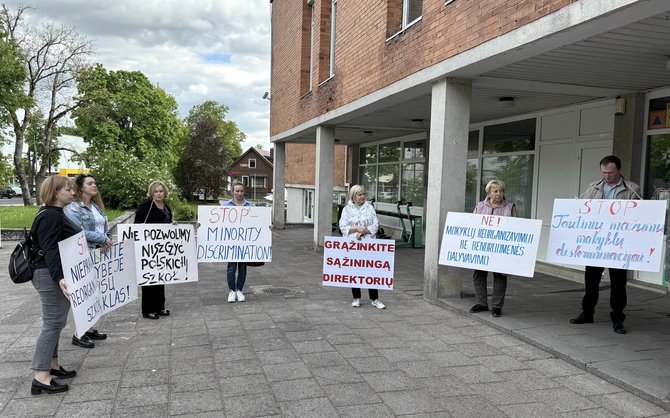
367, 264
98, 282
234, 233
501, 244
624, 234
164, 253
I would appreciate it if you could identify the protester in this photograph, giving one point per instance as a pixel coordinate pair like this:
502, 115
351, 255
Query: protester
359, 221
154, 211
87, 212
51, 226
235, 285
494, 204
611, 186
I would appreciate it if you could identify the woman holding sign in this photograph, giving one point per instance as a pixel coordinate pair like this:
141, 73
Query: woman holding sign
51, 226
359, 221
235, 286
154, 211
494, 204
87, 212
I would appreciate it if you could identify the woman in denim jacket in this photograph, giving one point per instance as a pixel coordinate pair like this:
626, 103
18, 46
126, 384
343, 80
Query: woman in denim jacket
86, 211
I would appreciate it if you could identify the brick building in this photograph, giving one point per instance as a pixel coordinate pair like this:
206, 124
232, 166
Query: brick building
433, 98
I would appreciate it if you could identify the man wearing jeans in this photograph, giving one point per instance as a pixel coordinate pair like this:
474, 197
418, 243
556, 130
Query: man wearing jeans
611, 186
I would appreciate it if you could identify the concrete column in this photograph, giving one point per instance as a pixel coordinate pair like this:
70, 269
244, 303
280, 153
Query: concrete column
323, 210
447, 160
628, 132
279, 185
355, 161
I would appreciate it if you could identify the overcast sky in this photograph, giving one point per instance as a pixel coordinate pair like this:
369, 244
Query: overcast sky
196, 50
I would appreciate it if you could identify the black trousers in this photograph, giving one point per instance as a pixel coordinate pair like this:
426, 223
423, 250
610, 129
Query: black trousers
618, 297
153, 299
374, 294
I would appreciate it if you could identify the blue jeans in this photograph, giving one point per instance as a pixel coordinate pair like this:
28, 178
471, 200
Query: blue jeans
55, 308
241, 275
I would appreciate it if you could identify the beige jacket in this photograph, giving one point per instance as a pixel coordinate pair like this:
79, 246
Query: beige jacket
628, 190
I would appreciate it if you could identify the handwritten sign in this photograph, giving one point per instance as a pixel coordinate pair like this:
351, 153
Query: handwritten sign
98, 282
164, 253
501, 244
367, 264
234, 233
624, 234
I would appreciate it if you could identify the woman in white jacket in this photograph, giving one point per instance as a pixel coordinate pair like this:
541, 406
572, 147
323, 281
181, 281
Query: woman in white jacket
359, 221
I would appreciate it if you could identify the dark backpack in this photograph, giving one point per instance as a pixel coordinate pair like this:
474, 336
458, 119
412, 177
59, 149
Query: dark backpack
24, 258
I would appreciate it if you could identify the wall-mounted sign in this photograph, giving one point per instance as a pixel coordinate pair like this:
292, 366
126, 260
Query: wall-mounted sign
657, 119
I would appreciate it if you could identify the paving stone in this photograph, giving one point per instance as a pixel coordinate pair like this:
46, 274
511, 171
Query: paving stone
554, 367
309, 408
474, 374
90, 391
401, 354
239, 368
329, 359
244, 385
562, 400
369, 411
144, 378
335, 375
271, 344
391, 381
194, 402
139, 363
587, 384
259, 405
351, 394
32, 406
103, 408
305, 347
193, 382
278, 356
372, 364
406, 402
501, 363
627, 405
528, 410
528, 379
286, 371
234, 354
471, 406
290, 390
140, 397
197, 365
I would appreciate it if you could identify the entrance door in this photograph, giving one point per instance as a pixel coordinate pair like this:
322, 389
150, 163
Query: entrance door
308, 206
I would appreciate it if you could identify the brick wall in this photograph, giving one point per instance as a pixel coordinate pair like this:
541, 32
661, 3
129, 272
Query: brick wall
364, 60
301, 163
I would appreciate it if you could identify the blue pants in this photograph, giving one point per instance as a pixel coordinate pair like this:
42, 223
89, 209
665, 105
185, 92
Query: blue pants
241, 275
55, 308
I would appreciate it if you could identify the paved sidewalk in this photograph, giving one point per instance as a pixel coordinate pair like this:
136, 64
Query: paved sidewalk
295, 348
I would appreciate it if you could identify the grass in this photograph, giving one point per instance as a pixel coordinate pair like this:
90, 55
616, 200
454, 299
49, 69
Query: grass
22, 216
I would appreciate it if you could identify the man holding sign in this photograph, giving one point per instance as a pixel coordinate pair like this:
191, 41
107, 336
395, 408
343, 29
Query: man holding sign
611, 186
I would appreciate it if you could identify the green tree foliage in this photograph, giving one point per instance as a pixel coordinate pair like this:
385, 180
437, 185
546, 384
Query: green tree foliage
132, 129
212, 144
12, 77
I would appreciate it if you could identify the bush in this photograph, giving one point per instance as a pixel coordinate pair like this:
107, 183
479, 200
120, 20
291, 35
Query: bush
181, 210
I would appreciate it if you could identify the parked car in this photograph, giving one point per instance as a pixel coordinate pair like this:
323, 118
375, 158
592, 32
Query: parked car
7, 193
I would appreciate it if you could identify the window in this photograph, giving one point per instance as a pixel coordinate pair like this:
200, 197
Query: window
252, 163
411, 11
307, 56
333, 21
245, 181
394, 171
259, 181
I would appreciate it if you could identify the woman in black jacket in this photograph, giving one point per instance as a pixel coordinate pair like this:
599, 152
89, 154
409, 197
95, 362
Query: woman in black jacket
51, 226
154, 211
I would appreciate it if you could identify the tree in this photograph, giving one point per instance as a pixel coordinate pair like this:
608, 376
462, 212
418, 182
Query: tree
12, 77
124, 118
54, 56
212, 144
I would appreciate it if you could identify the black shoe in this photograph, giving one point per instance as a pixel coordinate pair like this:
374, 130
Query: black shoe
164, 312
618, 327
84, 341
150, 315
479, 308
54, 387
582, 318
496, 312
62, 373
95, 335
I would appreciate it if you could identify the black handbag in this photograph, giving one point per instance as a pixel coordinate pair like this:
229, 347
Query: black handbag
255, 263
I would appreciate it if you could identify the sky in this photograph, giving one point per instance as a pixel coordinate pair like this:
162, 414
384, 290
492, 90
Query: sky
196, 50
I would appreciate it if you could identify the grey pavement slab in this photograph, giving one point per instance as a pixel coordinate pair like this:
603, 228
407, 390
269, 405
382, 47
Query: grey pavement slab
308, 353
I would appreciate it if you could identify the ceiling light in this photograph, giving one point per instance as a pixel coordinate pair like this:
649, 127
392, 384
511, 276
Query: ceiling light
506, 102
416, 123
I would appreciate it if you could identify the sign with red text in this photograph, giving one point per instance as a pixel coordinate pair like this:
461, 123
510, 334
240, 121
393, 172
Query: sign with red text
234, 233
501, 244
623, 234
164, 253
367, 263
97, 282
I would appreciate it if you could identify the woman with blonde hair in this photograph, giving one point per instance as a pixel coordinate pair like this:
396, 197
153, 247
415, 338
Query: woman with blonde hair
154, 211
51, 226
359, 221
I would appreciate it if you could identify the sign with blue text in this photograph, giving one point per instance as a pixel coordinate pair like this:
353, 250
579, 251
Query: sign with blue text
501, 244
366, 263
623, 234
98, 282
234, 233
164, 253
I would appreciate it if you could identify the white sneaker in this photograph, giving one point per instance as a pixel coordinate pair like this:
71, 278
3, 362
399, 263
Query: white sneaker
240, 296
231, 296
378, 304
356, 303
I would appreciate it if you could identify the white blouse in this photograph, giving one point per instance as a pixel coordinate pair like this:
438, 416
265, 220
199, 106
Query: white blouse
363, 215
